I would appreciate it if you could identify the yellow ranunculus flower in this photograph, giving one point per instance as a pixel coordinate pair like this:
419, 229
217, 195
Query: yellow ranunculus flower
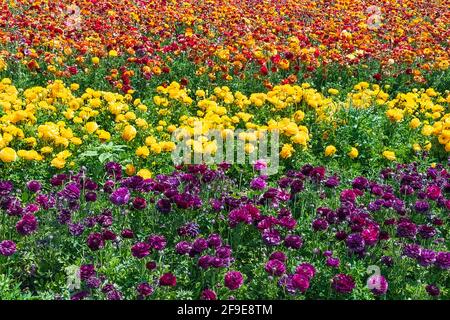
8, 155
144, 173
389, 155
91, 127
129, 133
130, 169
95, 60
415, 123
286, 151
353, 153
143, 152
330, 151
58, 163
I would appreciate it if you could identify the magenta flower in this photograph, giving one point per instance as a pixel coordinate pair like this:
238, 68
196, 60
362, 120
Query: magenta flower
233, 280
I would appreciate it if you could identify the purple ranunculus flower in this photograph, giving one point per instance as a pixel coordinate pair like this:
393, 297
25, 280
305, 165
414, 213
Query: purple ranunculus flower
278, 255
412, 251
306, 269
144, 289
139, 203
406, 230
343, 283
427, 232
183, 247
204, 262
208, 294
426, 257
34, 186
333, 262
87, 271
140, 250
168, 280
7, 248
157, 242
433, 290
258, 184
275, 268
90, 196
233, 280
27, 225
293, 241
377, 284
95, 241
320, 225
443, 260
120, 196
355, 243
300, 282
422, 206
164, 206
271, 237
214, 240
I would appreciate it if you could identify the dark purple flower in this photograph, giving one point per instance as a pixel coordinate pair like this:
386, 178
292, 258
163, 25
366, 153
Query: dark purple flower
333, 262
140, 250
183, 247
214, 240
306, 269
139, 203
433, 290
34, 186
27, 225
377, 284
199, 245
422, 206
91, 196
426, 257
355, 243
443, 260
360, 183
387, 261
95, 241
320, 225
233, 280
258, 184
157, 242
427, 232
275, 267
163, 206
293, 241
93, 283
144, 289
271, 237
204, 262
168, 279
87, 271
332, 182
7, 248
300, 282
151, 265
223, 252
127, 234
412, 251
120, 197
76, 229
208, 294
343, 283
278, 255
406, 230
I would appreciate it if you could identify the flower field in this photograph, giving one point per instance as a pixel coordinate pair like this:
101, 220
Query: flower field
334, 117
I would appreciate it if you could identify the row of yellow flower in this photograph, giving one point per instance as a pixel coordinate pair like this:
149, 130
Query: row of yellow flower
53, 122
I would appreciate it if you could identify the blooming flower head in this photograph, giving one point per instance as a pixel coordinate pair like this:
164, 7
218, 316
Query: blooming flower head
120, 197
7, 248
343, 283
233, 280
